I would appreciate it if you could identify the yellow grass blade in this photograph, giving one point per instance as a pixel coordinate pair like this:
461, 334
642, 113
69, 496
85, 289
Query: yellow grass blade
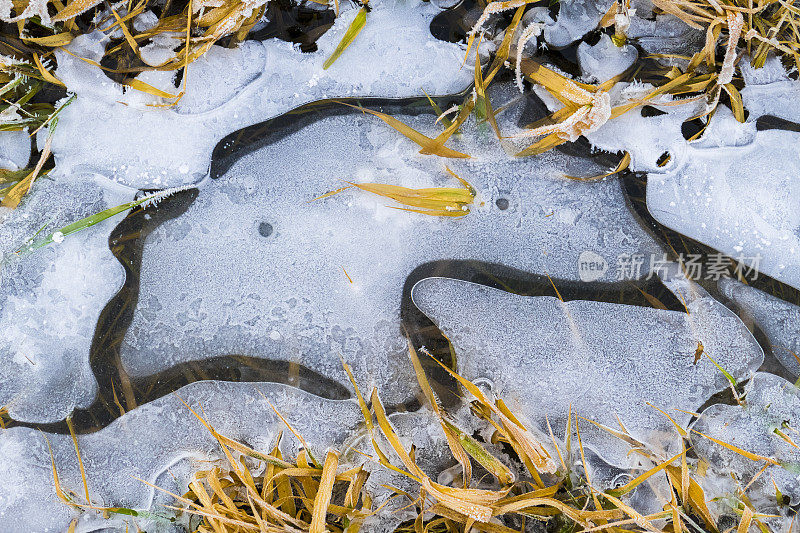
542, 145
696, 496
74, 8
59, 39
641, 478
622, 165
144, 87
424, 141
80, 460
324, 493
391, 436
48, 77
735, 449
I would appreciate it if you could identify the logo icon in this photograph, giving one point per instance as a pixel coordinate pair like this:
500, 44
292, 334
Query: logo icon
591, 266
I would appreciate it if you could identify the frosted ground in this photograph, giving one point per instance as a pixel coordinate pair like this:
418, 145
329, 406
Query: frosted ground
242, 266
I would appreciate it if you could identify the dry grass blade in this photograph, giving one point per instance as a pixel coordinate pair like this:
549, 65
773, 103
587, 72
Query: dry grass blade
434, 201
428, 145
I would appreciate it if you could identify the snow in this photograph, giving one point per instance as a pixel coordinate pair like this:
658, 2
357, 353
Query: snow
778, 319
50, 300
288, 295
130, 137
602, 360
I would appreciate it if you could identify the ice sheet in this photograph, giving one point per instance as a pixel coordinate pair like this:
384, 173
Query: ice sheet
778, 319
604, 360
50, 300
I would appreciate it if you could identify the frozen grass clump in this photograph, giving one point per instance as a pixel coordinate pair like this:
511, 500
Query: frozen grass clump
618, 365
147, 443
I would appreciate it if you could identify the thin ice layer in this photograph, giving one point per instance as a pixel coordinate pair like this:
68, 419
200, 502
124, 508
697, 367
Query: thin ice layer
772, 409
255, 267
50, 300
148, 442
600, 359
131, 137
778, 319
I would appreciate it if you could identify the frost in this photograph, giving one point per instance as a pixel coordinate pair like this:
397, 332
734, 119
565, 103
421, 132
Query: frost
778, 319
214, 283
771, 410
604, 360
128, 136
50, 300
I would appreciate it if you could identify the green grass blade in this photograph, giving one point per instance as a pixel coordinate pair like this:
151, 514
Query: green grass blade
349, 36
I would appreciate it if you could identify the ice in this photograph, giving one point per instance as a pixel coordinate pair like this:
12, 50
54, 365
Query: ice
735, 190
664, 34
604, 360
132, 138
254, 267
575, 19
604, 60
778, 319
15, 149
153, 440
771, 409
50, 300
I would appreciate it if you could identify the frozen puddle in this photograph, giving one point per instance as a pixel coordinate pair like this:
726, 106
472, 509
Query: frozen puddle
132, 138
607, 361
255, 267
